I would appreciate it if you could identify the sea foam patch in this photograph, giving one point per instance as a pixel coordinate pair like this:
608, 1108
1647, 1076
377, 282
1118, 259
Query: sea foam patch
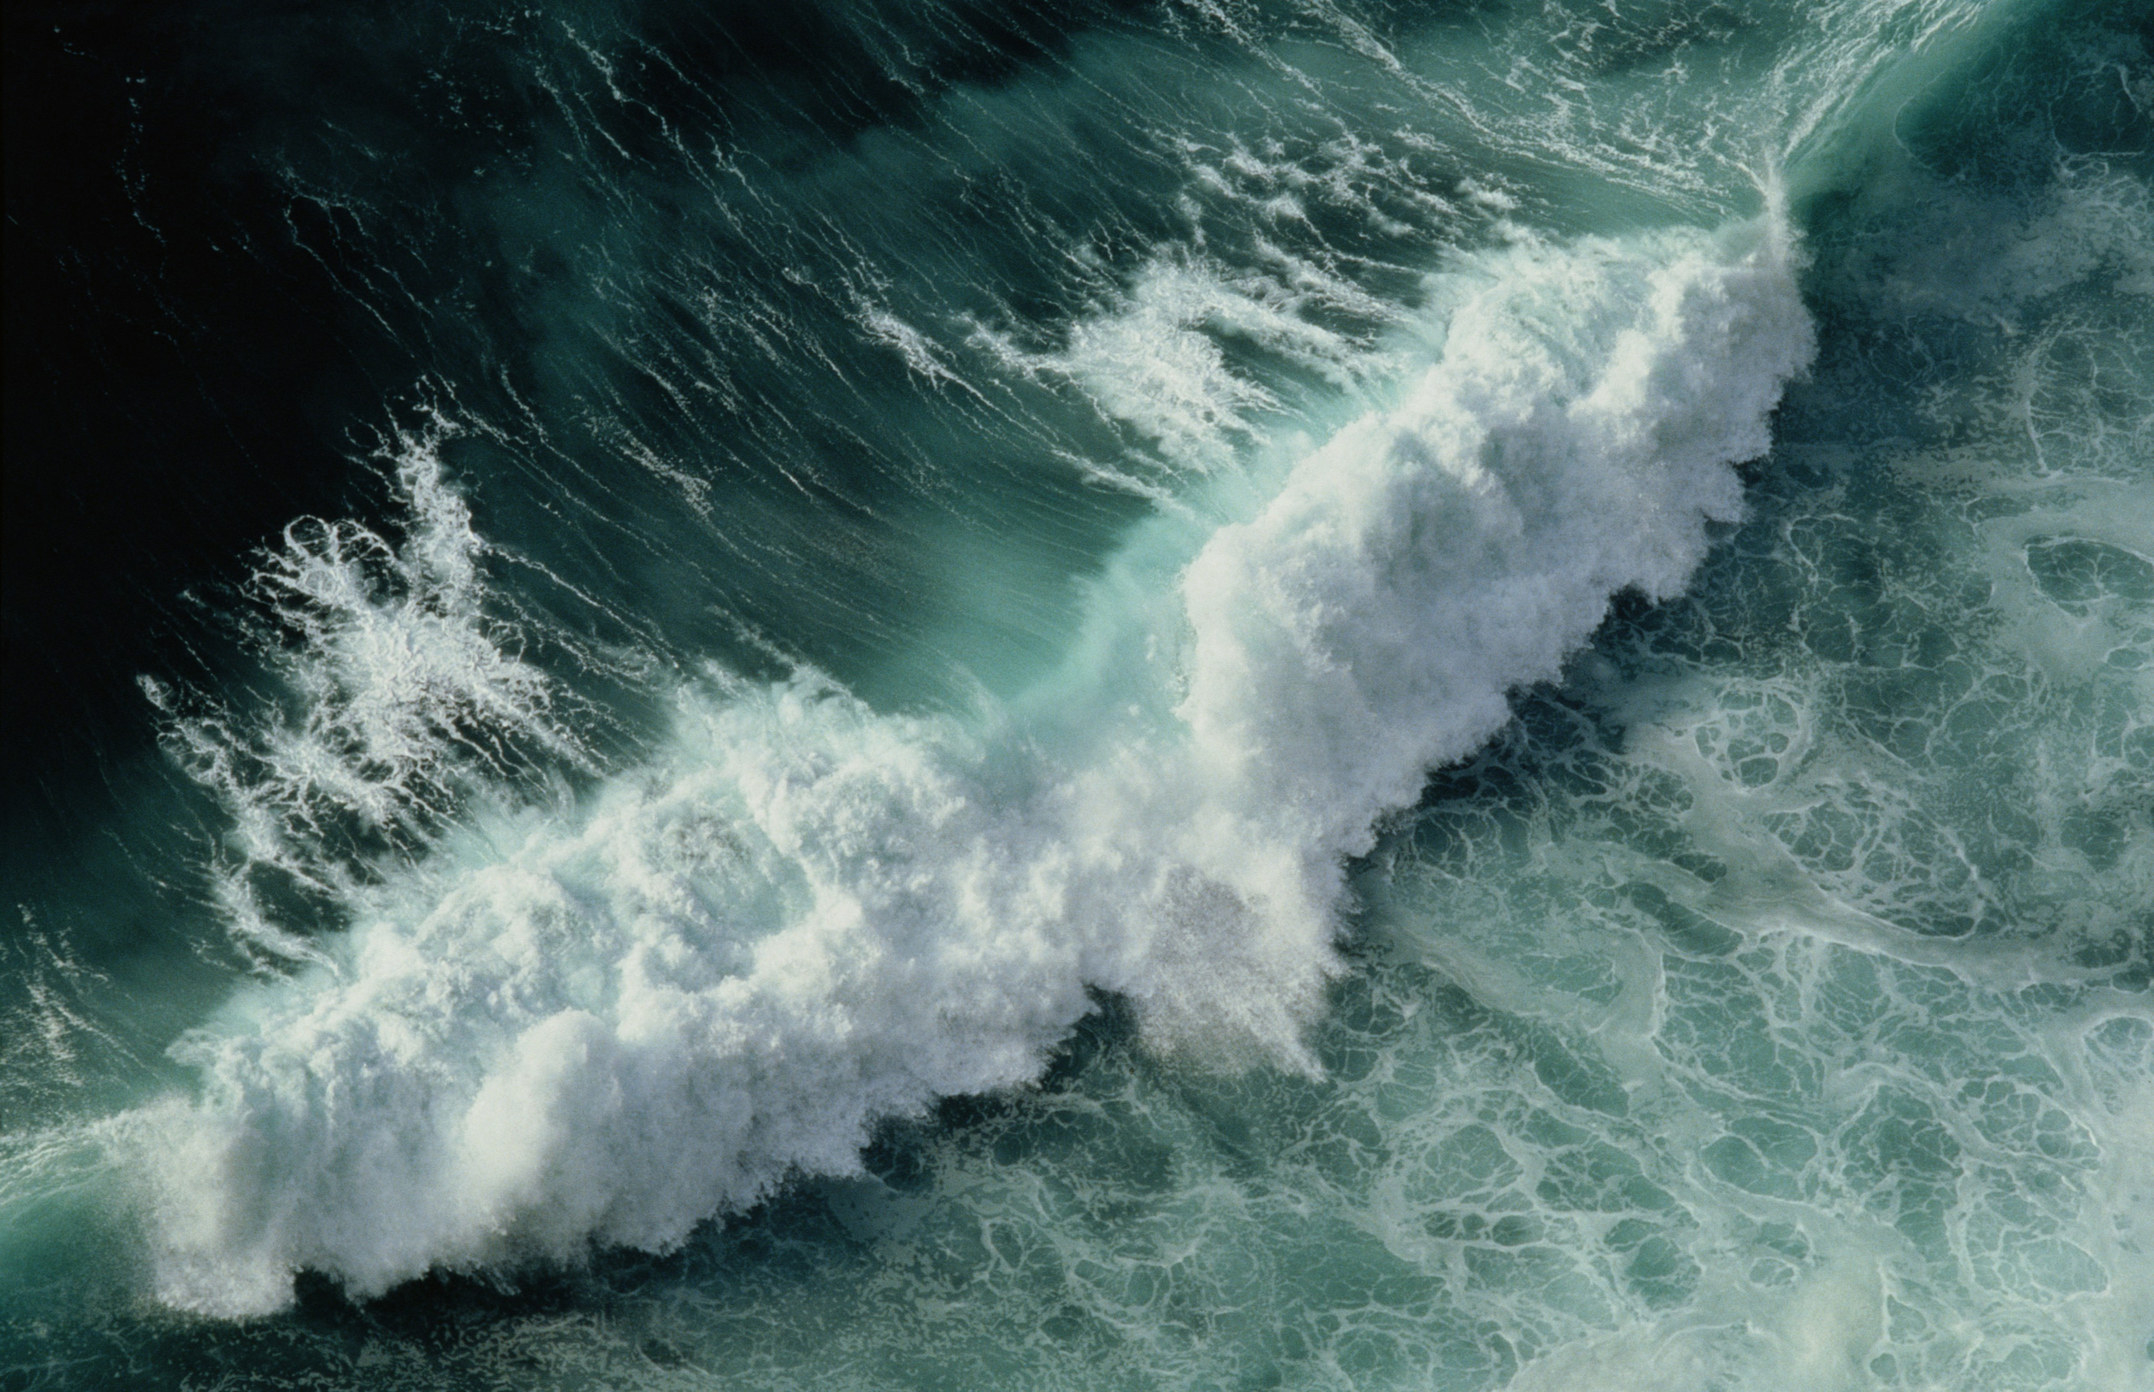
721, 969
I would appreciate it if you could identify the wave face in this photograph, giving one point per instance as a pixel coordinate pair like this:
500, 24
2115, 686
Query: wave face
1335, 696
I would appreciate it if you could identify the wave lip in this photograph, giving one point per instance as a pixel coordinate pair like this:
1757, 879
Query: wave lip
808, 916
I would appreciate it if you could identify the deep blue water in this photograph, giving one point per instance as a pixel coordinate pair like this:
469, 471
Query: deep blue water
1303, 695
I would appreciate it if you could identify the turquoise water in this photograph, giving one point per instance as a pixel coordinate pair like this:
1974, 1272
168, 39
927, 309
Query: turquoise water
1192, 696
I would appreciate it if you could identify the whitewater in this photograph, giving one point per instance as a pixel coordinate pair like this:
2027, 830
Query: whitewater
811, 918
1314, 696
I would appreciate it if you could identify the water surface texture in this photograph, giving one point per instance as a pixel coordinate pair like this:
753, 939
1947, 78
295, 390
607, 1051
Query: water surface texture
1319, 694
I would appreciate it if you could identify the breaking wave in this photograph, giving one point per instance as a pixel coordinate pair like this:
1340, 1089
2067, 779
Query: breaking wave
605, 1017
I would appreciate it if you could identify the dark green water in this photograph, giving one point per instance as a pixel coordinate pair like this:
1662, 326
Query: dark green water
1305, 696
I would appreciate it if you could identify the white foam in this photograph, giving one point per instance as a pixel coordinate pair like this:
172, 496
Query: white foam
1572, 441
729, 965
1155, 360
401, 696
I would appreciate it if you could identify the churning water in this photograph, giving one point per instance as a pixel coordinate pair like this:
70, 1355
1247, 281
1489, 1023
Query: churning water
1197, 695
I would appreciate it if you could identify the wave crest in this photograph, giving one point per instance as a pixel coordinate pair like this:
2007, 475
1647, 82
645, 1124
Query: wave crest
728, 965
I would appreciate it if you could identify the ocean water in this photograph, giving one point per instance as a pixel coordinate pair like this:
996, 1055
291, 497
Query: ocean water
1207, 694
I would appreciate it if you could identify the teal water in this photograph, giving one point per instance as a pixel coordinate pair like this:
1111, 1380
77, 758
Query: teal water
1197, 696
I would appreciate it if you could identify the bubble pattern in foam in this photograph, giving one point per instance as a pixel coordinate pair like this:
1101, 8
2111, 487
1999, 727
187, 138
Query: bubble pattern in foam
807, 917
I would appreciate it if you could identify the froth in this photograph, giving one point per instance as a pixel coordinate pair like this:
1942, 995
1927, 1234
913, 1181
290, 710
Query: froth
1573, 440
398, 696
806, 916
